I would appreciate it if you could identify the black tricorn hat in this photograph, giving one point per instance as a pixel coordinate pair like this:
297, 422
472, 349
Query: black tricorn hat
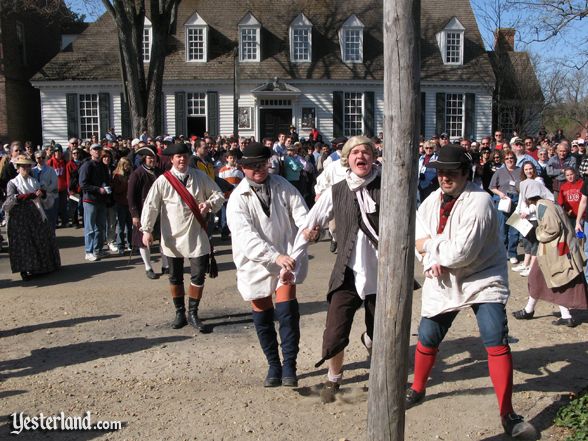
255, 152
146, 151
451, 157
176, 149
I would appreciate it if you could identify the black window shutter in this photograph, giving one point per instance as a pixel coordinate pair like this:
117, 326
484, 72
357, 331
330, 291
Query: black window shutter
440, 113
212, 113
73, 127
423, 113
368, 113
104, 107
337, 114
125, 117
470, 116
180, 113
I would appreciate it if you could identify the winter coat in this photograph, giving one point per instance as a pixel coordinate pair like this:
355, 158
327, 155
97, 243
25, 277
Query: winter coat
560, 255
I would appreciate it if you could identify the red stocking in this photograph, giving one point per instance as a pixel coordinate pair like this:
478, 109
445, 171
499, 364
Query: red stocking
500, 367
424, 359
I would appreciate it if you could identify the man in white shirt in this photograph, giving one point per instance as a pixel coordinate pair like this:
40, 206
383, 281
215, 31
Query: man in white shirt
181, 232
264, 213
457, 235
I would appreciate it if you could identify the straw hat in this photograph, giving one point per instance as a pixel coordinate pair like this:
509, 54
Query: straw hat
23, 160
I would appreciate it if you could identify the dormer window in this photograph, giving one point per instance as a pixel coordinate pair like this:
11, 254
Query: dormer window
301, 40
451, 42
147, 40
196, 39
351, 40
249, 39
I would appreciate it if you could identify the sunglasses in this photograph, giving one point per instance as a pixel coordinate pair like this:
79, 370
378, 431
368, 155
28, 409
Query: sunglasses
509, 158
256, 166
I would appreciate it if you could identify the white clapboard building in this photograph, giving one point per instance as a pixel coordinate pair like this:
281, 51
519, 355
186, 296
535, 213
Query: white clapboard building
288, 62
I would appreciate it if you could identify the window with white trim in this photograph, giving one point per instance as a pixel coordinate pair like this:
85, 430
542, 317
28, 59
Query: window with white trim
249, 45
454, 114
453, 48
352, 45
89, 115
351, 40
147, 40
196, 39
301, 40
451, 42
301, 44
249, 39
352, 113
196, 103
195, 44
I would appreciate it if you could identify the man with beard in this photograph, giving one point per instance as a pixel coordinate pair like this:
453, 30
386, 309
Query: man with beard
458, 236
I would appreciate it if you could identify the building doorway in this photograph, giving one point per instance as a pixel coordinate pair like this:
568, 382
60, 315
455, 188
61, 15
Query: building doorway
196, 126
274, 121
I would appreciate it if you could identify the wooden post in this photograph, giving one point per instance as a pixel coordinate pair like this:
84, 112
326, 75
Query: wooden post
389, 368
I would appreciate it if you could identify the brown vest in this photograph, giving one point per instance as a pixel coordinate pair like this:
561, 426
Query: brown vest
348, 220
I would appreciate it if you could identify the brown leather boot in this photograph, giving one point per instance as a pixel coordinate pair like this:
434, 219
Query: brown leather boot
177, 292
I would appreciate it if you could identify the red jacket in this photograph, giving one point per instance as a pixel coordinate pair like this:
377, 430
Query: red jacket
59, 166
72, 177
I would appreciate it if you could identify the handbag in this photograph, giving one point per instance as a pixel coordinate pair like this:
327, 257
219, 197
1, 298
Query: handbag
193, 206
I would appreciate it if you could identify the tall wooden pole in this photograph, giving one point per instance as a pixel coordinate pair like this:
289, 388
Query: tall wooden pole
389, 368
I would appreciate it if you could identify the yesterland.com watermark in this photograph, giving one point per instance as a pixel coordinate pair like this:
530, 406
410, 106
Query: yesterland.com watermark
60, 422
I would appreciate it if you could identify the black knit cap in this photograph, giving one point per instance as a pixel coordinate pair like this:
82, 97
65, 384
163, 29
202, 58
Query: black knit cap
176, 149
255, 152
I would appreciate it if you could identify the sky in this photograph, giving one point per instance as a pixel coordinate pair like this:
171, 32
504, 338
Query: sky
563, 48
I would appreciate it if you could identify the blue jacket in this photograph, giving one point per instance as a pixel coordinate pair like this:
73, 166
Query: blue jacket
427, 175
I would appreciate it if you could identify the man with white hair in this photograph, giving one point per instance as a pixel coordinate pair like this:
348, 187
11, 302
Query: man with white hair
354, 204
557, 164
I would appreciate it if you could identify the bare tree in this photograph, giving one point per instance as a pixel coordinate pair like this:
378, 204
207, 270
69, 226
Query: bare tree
567, 92
552, 20
143, 89
51, 10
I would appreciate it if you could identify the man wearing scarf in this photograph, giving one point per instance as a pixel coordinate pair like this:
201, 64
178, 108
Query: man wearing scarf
181, 233
457, 235
354, 204
264, 213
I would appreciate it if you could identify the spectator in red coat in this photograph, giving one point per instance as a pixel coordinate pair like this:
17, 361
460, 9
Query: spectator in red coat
73, 186
58, 164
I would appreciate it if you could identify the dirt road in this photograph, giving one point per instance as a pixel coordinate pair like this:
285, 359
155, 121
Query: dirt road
96, 337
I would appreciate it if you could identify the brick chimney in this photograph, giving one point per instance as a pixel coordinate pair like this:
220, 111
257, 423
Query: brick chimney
504, 39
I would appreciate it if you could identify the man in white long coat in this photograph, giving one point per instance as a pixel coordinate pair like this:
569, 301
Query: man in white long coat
264, 213
465, 267
181, 233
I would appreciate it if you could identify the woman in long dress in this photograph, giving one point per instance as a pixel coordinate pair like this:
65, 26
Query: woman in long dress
558, 276
32, 243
